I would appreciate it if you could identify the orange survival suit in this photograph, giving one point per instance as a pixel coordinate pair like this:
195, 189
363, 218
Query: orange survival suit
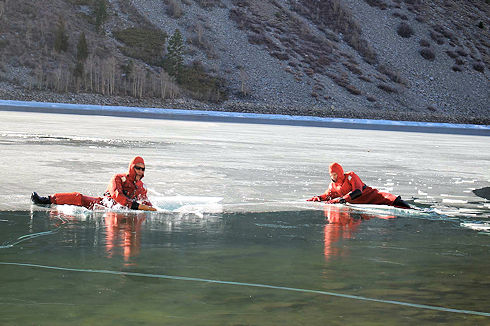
349, 188
123, 189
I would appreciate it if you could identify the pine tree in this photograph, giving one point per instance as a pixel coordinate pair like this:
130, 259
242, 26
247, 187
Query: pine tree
175, 48
82, 48
61, 38
100, 12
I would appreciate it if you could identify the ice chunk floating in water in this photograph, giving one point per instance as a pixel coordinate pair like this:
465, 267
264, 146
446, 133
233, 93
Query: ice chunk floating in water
177, 204
189, 204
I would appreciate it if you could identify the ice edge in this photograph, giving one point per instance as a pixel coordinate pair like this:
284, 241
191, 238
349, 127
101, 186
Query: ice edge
224, 114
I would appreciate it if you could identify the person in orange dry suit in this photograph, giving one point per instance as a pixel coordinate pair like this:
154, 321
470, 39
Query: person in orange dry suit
126, 189
348, 188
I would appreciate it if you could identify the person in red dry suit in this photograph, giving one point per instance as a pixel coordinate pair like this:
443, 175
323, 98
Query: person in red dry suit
126, 189
348, 188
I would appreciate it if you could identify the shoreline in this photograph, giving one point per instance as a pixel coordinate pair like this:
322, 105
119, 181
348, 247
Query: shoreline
244, 117
9, 92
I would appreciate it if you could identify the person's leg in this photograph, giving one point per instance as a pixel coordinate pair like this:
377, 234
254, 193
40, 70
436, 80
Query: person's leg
74, 198
374, 196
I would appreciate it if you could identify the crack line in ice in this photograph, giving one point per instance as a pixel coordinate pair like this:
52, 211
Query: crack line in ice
29, 236
194, 279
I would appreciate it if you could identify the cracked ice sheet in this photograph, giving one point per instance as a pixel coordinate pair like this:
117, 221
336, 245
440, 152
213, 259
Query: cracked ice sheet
252, 167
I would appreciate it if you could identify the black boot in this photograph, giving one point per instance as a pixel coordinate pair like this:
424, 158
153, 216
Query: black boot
399, 202
38, 200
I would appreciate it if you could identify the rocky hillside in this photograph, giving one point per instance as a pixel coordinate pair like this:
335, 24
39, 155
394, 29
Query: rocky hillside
389, 59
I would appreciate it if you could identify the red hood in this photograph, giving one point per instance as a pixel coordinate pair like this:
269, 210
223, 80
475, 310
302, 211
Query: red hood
133, 162
337, 168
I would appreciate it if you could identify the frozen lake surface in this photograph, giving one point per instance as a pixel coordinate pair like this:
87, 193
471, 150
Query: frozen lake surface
231, 199
250, 166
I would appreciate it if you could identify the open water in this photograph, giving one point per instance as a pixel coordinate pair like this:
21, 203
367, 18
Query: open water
234, 242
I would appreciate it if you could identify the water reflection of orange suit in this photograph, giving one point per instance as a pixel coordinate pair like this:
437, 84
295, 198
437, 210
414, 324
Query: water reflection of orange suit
341, 225
123, 231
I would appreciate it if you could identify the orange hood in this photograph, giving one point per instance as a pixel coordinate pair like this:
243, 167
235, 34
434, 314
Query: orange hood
134, 161
337, 168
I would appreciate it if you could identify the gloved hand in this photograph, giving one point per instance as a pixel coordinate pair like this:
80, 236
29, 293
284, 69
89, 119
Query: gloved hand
316, 198
143, 207
338, 200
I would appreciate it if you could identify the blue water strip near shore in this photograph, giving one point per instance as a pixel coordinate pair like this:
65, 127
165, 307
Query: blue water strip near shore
193, 279
57, 107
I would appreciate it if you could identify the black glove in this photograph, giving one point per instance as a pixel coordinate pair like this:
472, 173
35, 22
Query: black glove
135, 205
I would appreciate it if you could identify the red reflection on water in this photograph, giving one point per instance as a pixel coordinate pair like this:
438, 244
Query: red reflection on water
342, 224
123, 232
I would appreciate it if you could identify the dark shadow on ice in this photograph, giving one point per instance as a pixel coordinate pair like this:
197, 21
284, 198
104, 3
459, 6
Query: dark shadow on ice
483, 192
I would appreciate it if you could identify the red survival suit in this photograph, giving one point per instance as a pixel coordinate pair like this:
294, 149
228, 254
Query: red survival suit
350, 188
122, 189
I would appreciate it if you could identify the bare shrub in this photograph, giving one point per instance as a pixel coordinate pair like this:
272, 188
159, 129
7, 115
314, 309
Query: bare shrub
256, 39
377, 3
353, 90
479, 67
366, 79
318, 87
280, 55
446, 33
424, 42
353, 68
334, 15
199, 29
164, 86
400, 15
244, 90
309, 72
438, 38
260, 39
404, 30
324, 60
209, 3
174, 8
459, 61
452, 54
387, 88
391, 73
457, 68
427, 54
461, 52
414, 5
341, 80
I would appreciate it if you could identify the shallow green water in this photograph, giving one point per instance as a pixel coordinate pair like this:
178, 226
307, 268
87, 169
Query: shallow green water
402, 260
